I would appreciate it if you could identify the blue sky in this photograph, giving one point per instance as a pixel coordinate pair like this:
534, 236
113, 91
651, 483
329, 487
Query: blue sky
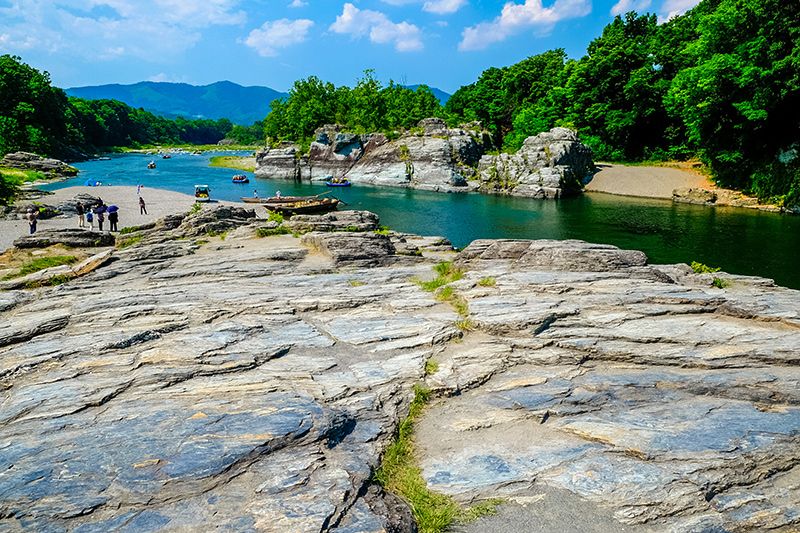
444, 43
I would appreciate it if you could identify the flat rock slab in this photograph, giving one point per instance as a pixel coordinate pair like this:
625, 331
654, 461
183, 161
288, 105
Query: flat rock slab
75, 238
253, 384
238, 389
665, 406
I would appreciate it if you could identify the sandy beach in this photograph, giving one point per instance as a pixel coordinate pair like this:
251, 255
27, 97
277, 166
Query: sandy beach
649, 182
159, 203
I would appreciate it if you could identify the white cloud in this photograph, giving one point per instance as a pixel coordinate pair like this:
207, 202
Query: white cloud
673, 8
359, 23
516, 18
440, 7
298, 3
276, 34
623, 6
443, 7
105, 29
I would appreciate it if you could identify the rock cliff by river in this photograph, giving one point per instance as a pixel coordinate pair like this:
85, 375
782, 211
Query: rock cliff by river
437, 158
247, 383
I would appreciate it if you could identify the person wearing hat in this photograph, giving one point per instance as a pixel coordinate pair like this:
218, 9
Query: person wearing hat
33, 216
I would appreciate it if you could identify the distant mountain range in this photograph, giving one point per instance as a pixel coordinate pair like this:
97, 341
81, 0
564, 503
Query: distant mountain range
223, 99
438, 93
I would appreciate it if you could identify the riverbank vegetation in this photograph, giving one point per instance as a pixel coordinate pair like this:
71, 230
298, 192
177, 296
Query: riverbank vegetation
718, 83
37, 117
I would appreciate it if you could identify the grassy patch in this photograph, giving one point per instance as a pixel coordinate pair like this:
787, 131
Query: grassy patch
196, 208
19, 176
215, 233
487, 282
52, 282
447, 273
720, 283
700, 268
274, 216
270, 232
466, 325
40, 263
383, 230
352, 229
431, 367
399, 474
128, 229
356, 283
247, 164
130, 241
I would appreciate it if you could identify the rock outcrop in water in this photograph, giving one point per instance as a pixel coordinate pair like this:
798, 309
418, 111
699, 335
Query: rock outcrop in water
252, 384
548, 165
437, 158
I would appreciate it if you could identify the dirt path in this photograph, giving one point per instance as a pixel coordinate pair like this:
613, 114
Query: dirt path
651, 182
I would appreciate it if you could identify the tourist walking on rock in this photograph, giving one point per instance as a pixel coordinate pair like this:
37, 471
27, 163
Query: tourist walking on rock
113, 218
142, 207
90, 218
80, 210
33, 216
139, 190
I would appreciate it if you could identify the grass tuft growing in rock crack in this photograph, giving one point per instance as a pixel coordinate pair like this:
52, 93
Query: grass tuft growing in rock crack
400, 474
40, 263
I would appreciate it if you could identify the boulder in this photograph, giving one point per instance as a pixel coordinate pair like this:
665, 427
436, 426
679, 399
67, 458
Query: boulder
439, 158
69, 207
28, 161
548, 165
694, 195
278, 163
356, 248
73, 237
569, 255
336, 221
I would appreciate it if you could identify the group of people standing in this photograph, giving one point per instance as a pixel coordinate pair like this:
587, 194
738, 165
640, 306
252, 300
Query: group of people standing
98, 211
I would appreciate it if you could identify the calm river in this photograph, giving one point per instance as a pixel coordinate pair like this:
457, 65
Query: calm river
739, 241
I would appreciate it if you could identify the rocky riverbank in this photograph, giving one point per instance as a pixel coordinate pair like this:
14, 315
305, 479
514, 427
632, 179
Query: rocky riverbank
198, 381
50, 168
437, 158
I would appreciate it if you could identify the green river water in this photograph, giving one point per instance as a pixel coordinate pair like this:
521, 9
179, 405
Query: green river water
740, 241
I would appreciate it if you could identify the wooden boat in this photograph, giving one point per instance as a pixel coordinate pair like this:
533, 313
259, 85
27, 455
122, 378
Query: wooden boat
318, 205
240, 178
277, 199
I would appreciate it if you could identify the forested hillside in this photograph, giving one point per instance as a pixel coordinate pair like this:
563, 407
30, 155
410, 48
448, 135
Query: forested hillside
40, 118
721, 82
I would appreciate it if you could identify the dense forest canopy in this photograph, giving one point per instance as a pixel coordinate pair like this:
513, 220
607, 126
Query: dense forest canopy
721, 82
367, 107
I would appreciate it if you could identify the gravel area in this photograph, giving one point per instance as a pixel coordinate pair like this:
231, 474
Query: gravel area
650, 182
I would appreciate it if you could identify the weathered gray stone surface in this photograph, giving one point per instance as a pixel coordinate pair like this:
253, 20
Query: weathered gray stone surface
438, 158
641, 390
75, 237
335, 221
724, 197
252, 384
548, 165
250, 388
28, 161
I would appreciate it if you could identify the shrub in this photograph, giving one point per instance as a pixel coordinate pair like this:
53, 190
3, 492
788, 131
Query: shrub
700, 268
